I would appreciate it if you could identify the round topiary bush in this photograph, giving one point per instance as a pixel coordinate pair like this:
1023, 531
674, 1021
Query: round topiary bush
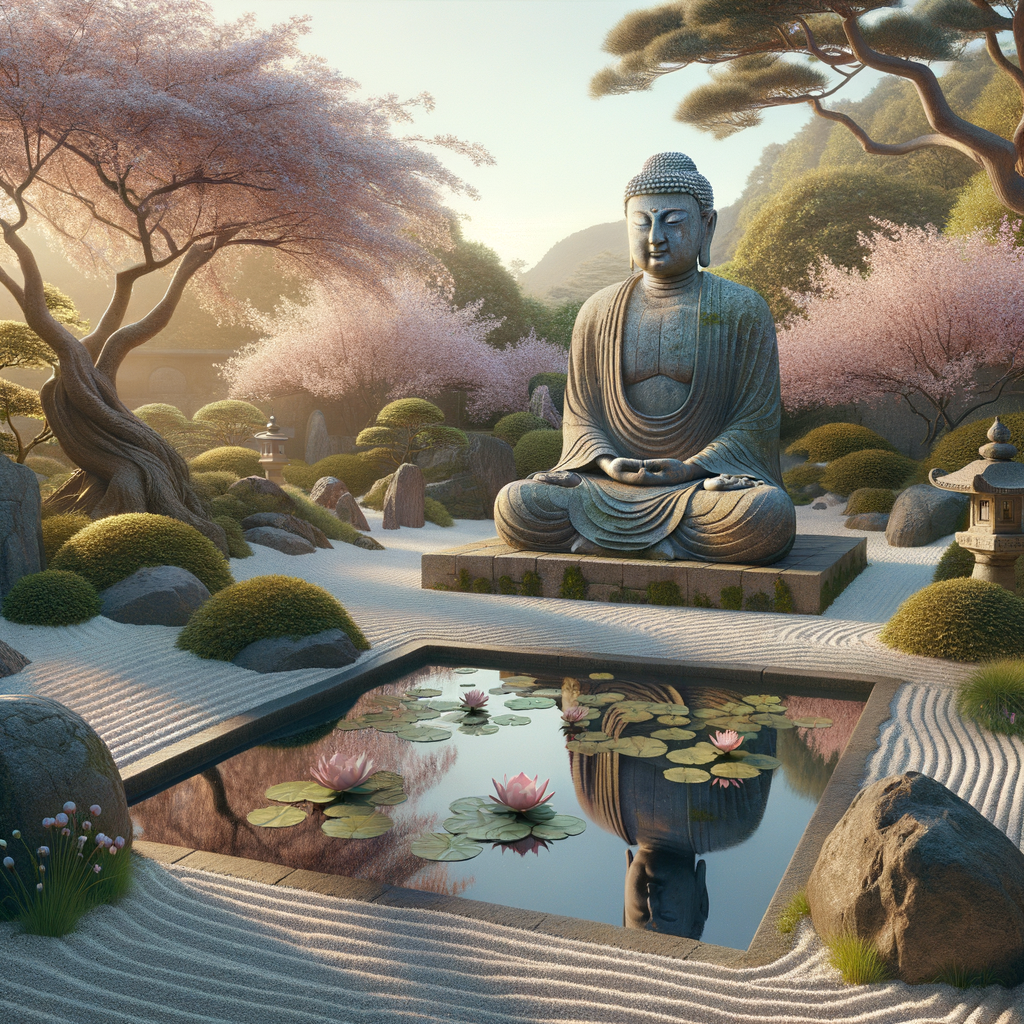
51, 598
263, 607
229, 459
871, 467
957, 562
300, 474
803, 483
834, 440
354, 471
511, 428
537, 450
555, 383
209, 485
112, 549
954, 450
60, 528
434, 512
870, 499
959, 619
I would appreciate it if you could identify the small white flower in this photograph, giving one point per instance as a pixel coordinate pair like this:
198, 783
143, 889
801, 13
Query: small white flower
43, 851
42, 869
9, 863
119, 842
86, 826
16, 834
95, 810
49, 822
96, 869
61, 819
70, 807
65, 831
112, 850
3, 844
39, 886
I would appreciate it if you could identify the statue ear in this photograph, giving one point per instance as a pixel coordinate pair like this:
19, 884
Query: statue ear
709, 233
702, 889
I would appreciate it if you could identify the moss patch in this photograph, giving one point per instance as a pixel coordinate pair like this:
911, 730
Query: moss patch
574, 586
434, 512
665, 592
834, 440
238, 546
228, 459
870, 499
51, 598
61, 528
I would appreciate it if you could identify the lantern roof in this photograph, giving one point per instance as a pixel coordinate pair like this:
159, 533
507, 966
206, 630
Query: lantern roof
273, 432
994, 473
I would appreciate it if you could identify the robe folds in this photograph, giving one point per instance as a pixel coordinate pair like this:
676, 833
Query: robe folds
728, 425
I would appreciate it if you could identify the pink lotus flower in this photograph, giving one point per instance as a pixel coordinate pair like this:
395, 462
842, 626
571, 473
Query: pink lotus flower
725, 783
523, 846
474, 700
574, 714
340, 773
726, 741
522, 793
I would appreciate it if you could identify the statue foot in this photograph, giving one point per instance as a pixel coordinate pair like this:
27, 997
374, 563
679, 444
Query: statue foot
582, 546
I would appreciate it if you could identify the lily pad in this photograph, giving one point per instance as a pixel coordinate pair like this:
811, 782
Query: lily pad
386, 699
539, 814
502, 830
774, 721
393, 726
634, 715
424, 734
699, 753
441, 846
388, 797
349, 810
373, 717
812, 723
601, 675
673, 720
592, 737
511, 720
596, 700
551, 692
666, 709
518, 680
566, 823
639, 746
740, 723
690, 775
548, 832
529, 703
444, 705
672, 734
465, 670
758, 760
501, 691
293, 792
760, 698
351, 724
421, 715
276, 817
585, 747
709, 713
471, 818
379, 780
484, 729
358, 827
423, 691
735, 770
466, 803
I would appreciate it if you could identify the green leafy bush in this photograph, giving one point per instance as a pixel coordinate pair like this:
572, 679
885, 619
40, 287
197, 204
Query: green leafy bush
45, 467
356, 472
111, 549
60, 528
436, 513
210, 484
227, 422
957, 562
574, 585
959, 619
51, 598
512, 427
993, 696
238, 546
871, 467
263, 607
555, 383
537, 450
870, 499
229, 459
834, 440
954, 450
665, 592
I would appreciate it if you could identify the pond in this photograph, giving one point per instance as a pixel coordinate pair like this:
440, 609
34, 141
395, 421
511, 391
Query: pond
657, 823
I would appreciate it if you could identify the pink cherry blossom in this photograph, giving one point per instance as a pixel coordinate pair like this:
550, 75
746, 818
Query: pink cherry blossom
726, 741
474, 699
340, 773
522, 793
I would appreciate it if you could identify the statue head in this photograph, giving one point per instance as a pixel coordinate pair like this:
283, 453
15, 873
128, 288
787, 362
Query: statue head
666, 891
670, 216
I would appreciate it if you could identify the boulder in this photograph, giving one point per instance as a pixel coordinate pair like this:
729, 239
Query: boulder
923, 513
542, 406
368, 543
403, 502
280, 540
867, 521
49, 755
469, 479
292, 524
330, 649
158, 595
927, 880
348, 511
258, 486
327, 490
318, 441
21, 533
11, 661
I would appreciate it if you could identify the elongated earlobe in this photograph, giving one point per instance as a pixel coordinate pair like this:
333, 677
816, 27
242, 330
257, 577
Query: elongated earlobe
709, 233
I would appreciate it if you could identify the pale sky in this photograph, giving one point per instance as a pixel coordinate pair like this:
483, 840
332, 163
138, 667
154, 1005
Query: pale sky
512, 75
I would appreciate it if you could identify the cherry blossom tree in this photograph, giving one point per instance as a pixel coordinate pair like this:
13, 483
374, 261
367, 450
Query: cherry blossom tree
146, 139
937, 322
367, 348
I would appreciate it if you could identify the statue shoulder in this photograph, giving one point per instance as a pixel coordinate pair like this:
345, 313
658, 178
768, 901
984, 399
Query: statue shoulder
739, 300
601, 300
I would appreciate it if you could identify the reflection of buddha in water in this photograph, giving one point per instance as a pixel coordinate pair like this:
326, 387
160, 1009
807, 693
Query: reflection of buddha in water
670, 823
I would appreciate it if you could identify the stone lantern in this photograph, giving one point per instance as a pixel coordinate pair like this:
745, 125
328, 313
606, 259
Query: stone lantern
995, 484
272, 456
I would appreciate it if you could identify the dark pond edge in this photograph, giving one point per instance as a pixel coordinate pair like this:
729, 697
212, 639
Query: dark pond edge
178, 761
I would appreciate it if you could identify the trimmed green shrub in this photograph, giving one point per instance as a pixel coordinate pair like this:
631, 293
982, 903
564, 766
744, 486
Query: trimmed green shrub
238, 546
210, 484
46, 467
299, 474
374, 497
834, 440
51, 598
8, 444
531, 585
162, 417
322, 518
404, 429
537, 450
354, 471
436, 513
994, 697
60, 528
111, 549
870, 499
871, 467
959, 619
263, 607
731, 598
555, 383
954, 450
955, 563
227, 422
803, 483
512, 427
230, 459
783, 600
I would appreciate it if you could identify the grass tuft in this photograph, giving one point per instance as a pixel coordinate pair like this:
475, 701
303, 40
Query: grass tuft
795, 911
993, 696
857, 960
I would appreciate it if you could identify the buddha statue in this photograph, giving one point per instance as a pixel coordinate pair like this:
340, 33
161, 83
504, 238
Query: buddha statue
672, 408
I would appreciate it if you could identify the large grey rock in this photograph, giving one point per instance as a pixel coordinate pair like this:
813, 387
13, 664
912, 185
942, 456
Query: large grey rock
542, 406
927, 880
281, 521
280, 540
159, 595
11, 661
49, 755
472, 476
258, 486
923, 513
348, 511
403, 502
867, 521
330, 649
318, 441
21, 535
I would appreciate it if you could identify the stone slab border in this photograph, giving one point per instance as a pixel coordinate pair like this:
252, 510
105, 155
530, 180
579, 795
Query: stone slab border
181, 760
805, 582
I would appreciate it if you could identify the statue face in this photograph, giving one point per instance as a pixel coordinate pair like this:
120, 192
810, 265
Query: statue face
666, 892
667, 233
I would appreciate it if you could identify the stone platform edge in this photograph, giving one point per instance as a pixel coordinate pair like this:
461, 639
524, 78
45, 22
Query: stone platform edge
805, 582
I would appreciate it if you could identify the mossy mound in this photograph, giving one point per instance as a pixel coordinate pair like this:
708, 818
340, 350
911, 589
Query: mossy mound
871, 467
374, 497
46, 467
511, 428
957, 562
954, 450
299, 474
834, 440
51, 598
803, 483
434, 512
555, 383
537, 450
304, 507
229, 459
238, 546
111, 549
61, 528
263, 607
870, 499
959, 619
354, 471
212, 483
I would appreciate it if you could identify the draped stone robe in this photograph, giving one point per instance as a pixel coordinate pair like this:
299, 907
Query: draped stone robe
727, 425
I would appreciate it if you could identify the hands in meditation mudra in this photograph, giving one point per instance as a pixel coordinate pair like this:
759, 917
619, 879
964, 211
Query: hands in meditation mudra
671, 423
